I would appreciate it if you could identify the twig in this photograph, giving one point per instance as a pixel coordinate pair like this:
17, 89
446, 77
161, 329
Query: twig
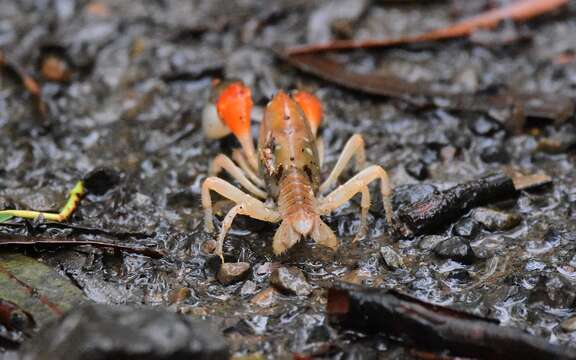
29, 84
20, 240
439, 210
518, 10
433, 327
508, 107
79, 229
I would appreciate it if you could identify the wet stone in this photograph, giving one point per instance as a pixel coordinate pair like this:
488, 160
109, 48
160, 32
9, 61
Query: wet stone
484, 126
496, 153
429, 242
408, 194
290, 280
391, 258
460, 276
466, 227
457, 249
417, 169
494, 220
100, 332
230, 273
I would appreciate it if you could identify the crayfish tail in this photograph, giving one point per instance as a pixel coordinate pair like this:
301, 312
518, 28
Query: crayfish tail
285, 238
323, 235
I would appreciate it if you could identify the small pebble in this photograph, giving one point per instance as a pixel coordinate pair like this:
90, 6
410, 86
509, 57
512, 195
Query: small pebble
496, 153
356, 277
494, 220
264, 269
266, 298
459, 139
391, 258
558, 144
466, 227
460, 275
230, 273
290, 280
179, 295
209, 246
193, 310
569, 324
248, 288
429, 242
417, 169
55, 69
369, 265
484, 126
457, 249
448, 153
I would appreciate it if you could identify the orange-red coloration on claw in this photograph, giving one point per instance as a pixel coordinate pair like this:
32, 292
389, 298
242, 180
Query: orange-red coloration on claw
234, 106
312, 108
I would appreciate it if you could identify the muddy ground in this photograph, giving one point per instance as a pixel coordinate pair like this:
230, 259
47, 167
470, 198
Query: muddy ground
139, 76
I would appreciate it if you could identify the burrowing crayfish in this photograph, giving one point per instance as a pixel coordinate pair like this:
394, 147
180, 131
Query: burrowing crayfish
288, 163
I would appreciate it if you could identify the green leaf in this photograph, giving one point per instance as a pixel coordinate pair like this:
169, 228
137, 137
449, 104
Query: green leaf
4, 217
36, 288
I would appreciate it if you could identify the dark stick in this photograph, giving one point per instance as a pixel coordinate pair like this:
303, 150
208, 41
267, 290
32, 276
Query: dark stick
20, 240
29, 84
83, 230
518, 10
433, 327
511, 108
439, 210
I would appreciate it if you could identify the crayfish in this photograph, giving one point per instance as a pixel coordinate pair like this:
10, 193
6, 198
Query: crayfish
282, 178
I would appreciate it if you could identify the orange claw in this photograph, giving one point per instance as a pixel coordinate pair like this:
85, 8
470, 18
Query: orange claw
312, 108
234, 106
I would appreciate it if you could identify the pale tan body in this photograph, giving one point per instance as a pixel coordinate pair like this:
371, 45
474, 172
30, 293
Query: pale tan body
289, 166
